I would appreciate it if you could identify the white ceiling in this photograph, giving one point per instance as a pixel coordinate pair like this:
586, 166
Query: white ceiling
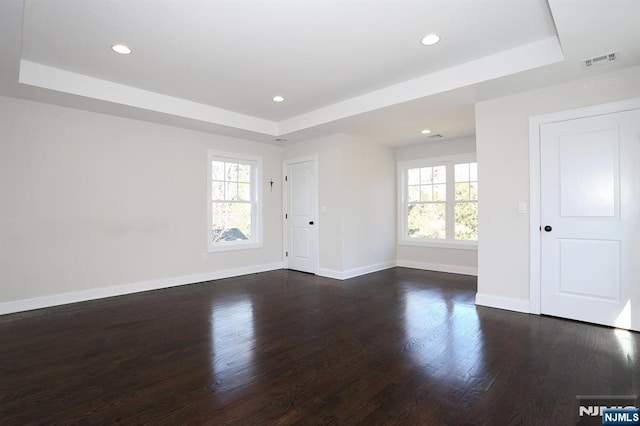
351, 66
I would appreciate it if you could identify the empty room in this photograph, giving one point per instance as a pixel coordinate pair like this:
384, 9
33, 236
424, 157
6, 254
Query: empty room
319, 212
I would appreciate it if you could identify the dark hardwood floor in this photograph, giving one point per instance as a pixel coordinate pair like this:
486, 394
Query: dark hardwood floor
400, 346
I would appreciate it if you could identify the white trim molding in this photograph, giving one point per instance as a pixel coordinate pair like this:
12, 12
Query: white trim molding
369, 269
500, 302
120, 290
329, 273
439, 267
535, 122
355, 272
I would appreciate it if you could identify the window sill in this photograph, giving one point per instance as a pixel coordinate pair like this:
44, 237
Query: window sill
456, 245
233, 246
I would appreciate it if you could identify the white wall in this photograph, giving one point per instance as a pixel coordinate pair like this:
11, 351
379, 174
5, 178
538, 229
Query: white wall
443, 259
369, 215
91, 201
437, 149
329, 152
357, 187
502, 135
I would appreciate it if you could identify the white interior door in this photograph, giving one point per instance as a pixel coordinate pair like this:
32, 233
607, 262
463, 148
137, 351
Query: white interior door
300, 216
590, 202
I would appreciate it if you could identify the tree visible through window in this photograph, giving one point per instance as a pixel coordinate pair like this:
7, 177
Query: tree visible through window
233, 214
440, 201
466, 205
427, 196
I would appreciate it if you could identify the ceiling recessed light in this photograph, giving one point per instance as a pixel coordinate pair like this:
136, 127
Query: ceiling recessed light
430, 39
425, 131
121, 49
278, 99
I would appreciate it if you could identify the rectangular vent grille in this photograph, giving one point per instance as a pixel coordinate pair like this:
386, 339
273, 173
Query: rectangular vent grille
601, 60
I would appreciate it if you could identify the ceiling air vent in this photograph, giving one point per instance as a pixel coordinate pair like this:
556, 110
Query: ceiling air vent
280, 140
436, 136
600, 60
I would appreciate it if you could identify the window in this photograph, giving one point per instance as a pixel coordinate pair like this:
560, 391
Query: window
439, 202
234, 208
465, 226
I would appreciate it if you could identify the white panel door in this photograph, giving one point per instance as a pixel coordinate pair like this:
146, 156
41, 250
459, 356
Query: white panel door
590, 183
301, 216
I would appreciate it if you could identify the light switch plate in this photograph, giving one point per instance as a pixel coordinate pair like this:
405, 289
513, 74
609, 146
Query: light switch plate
522, 207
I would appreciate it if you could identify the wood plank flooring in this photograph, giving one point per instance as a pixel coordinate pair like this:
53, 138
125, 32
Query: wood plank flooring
400, 346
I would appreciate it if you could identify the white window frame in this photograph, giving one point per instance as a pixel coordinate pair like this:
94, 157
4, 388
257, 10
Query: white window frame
256, 202
449, 242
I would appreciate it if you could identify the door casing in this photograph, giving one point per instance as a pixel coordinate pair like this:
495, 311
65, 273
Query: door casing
535, 258
285, 200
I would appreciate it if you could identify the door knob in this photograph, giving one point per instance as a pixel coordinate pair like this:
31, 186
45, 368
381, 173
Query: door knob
548, 228
311, 223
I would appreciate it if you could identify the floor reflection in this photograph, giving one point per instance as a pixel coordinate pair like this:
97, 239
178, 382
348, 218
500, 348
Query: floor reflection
444, 337
232, 345
626, 342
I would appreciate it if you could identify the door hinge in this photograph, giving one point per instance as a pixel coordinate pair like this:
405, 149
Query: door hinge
286, 254
286, 216
286, 178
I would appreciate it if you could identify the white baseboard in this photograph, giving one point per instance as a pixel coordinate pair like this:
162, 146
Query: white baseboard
439, 267
119, 290
329, 273
355, 272
363, 270
500, 302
